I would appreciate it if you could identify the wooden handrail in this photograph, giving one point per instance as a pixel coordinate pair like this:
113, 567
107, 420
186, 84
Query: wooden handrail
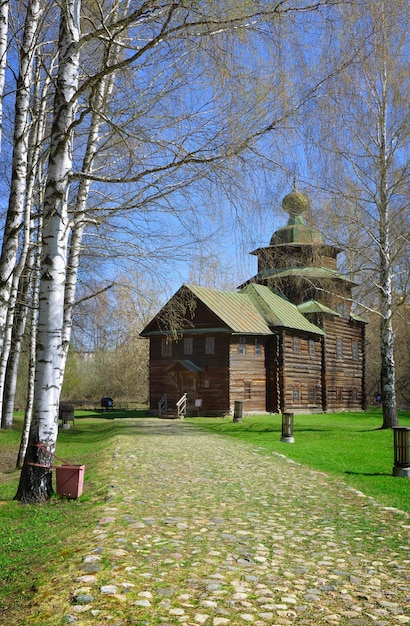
162, 405
181, 406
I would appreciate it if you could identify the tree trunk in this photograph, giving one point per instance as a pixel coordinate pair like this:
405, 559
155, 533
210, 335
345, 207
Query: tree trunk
35, 484
386, 265
31, 368
29, 251
4, 26
390, 419
11, 238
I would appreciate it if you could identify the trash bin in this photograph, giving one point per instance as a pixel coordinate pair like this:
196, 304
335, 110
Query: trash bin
401, 451
70, 480
238, 411
66, 414
107, 403
287, 428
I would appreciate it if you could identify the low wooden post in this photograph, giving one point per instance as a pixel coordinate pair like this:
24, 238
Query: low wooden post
287, 428
238, 411
401, 452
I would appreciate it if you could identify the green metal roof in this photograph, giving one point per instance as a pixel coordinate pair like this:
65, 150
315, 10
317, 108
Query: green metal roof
188, 365
313, 306
277, 311
296, 233
303, 272
357, 318
233, 309
255, 310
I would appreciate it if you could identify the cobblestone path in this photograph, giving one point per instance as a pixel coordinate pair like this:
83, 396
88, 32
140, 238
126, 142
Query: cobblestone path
201, 529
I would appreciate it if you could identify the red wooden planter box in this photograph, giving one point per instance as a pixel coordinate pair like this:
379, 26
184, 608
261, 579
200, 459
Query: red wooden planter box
70, 480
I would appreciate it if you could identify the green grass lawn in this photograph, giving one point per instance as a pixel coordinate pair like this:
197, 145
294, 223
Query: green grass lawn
349, 446
38, 542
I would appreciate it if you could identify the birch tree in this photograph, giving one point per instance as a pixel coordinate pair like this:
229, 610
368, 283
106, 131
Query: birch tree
4, 19
16, 208
362, 132
35, 481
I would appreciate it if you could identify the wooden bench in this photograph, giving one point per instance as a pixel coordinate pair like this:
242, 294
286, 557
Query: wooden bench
66, 413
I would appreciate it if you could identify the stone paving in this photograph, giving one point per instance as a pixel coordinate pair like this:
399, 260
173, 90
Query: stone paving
201, 529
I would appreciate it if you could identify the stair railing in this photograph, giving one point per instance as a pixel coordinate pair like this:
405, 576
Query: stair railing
181, 406
162, 405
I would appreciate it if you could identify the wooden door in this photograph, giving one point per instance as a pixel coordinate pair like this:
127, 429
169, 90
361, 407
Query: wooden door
188, 384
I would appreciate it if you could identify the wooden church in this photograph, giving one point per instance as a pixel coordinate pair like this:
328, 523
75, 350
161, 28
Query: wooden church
286, 341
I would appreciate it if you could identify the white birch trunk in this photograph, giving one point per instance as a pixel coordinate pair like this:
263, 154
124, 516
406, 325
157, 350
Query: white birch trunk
35, 481
99, 102
4, 27
12, 365
17, 197
388, 372
34, 176
32, 362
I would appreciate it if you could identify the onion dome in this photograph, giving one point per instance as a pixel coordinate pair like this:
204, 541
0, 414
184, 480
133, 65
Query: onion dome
295, 203
296, 231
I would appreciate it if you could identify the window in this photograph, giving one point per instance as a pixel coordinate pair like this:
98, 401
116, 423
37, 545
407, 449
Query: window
295, 344
258, 347
312, 394
339, 394
248, 390
188, 345
355, 351
242, 345
166, 347
209, 345
339, 348
342, 309
311, 347
354, 394
296, 394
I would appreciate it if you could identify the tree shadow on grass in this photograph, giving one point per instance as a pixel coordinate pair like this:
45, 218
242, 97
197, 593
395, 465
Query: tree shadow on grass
367, 473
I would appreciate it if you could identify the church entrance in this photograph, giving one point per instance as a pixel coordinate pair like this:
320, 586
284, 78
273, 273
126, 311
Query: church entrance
188, 383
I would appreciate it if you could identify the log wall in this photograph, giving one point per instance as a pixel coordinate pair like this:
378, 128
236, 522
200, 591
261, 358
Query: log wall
302, 373
344, 358
247, 374
211, 384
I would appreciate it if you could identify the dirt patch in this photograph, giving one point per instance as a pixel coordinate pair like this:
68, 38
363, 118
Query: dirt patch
8, 460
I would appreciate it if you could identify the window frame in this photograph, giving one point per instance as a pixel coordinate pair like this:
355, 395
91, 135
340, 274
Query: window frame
258, 347
242, 345
210, 345
188, 348
355, 350
166, 347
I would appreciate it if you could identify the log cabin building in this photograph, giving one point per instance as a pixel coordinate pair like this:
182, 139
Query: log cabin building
285, 341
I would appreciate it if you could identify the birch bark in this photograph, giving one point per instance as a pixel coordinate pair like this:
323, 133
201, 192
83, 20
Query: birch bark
16, 207
99, 102
34, 176
4, 26
388, 370
35, 480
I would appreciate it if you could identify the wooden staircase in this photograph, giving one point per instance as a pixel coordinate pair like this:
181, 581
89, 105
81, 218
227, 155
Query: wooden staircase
165, 412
